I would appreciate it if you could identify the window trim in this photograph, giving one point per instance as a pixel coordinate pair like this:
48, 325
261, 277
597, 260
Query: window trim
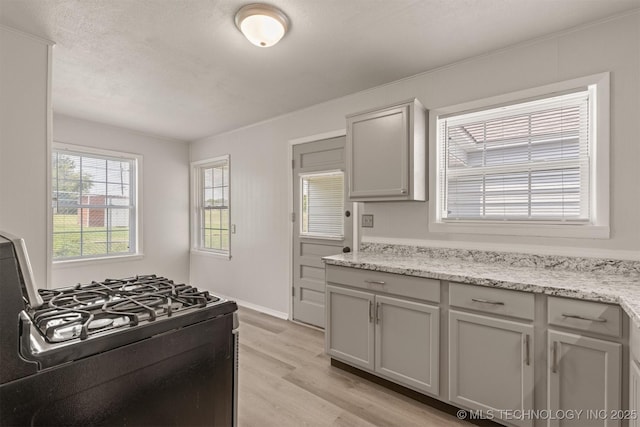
598, 227
196, 187
138, 253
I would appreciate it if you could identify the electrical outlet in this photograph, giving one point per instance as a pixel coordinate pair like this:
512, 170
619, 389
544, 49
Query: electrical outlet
367, 220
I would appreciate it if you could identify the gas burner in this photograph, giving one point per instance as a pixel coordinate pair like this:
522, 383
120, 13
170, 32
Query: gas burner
100, 323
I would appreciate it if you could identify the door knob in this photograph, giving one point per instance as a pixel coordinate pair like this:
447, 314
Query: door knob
346, 249
347, 214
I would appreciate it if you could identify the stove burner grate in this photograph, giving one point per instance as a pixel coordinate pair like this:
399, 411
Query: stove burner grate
83, 310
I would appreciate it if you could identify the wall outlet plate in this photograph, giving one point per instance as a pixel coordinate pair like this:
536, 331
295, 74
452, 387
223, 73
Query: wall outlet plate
367, 220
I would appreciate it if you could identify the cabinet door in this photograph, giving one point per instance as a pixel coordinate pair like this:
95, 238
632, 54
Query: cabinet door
378, 153
634, 393
491, 364
583, 374
349, 329
407, 342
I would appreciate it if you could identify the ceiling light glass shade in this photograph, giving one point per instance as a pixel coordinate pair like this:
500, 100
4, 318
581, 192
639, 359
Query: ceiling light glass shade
261, 24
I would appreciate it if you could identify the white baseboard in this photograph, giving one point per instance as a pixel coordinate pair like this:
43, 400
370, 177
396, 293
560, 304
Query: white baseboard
509, 247
256, 307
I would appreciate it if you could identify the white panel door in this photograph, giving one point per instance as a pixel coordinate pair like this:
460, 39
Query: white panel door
318, 229
584, 374
491, 364
407, 342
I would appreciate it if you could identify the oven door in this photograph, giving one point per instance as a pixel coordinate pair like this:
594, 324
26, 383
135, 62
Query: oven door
182, 377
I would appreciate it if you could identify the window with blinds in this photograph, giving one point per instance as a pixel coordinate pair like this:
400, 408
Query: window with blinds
322, 205
213, 206
527, 161
93, 204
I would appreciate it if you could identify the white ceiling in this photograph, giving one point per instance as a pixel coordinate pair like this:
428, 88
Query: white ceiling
180, 68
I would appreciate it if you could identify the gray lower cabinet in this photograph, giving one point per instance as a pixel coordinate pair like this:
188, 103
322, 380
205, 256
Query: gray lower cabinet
491, 366
407, 342
392, 337
634, 377
349, 326
634, 393
583, 374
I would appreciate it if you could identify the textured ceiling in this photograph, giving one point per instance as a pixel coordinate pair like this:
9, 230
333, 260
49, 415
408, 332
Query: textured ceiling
180, 68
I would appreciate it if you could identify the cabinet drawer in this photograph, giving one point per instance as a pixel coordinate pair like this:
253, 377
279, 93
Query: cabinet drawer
396, 284
596, 317
492, 300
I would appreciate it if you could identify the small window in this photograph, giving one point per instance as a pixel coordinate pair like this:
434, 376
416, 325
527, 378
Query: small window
322, 205
539, 161
212, 206
93, 203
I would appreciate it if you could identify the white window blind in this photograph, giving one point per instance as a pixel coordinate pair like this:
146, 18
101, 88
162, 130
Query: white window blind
322, 204
522, 162
93, 204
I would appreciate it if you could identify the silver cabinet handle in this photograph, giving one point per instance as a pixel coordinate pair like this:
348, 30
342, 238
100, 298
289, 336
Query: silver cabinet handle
590, 319
554, 357
375, 282
378, 313
403, 191
486, 301
370, 311
527, 350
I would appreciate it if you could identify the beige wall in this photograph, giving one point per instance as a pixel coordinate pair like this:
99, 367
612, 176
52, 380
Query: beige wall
24, 115
165, 202
258, 272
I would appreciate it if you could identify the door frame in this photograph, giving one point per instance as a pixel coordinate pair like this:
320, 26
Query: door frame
354, 206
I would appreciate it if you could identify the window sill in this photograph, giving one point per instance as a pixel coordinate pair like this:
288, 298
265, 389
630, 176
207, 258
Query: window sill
535, 230
88, 261
210, 254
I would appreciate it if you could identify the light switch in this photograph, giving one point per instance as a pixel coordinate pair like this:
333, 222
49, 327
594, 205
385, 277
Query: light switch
367, 220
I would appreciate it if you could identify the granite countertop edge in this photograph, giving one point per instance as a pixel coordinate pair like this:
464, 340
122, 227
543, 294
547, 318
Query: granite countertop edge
621, 289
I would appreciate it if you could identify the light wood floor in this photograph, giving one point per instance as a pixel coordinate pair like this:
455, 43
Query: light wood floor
285, 379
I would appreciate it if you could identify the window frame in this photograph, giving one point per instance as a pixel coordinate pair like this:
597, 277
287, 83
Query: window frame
598, 224
135, 230
197, 202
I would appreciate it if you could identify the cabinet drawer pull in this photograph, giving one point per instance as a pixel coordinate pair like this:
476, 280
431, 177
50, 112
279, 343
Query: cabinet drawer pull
486, 301
590, 319
370, 311
375, 282
378, 313
527, 349
554, 357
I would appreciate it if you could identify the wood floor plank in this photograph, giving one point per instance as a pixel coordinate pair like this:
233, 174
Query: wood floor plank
286, 379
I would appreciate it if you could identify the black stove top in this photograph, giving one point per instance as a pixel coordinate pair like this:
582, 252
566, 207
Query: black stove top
84, 310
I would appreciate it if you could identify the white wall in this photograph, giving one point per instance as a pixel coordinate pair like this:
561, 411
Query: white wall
165, 202
24, 118
258, 272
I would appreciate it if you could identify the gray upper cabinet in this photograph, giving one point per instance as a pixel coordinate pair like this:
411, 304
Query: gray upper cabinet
386, 153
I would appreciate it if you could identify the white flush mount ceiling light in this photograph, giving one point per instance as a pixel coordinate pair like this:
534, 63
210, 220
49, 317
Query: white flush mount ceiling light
261, 24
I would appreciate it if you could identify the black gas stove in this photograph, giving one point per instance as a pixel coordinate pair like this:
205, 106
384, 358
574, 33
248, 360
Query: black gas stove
142, 350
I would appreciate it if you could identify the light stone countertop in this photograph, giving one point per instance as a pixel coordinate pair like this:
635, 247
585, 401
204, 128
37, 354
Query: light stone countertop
593, 280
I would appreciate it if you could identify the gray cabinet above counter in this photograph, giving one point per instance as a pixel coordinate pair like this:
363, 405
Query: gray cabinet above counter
386, 153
